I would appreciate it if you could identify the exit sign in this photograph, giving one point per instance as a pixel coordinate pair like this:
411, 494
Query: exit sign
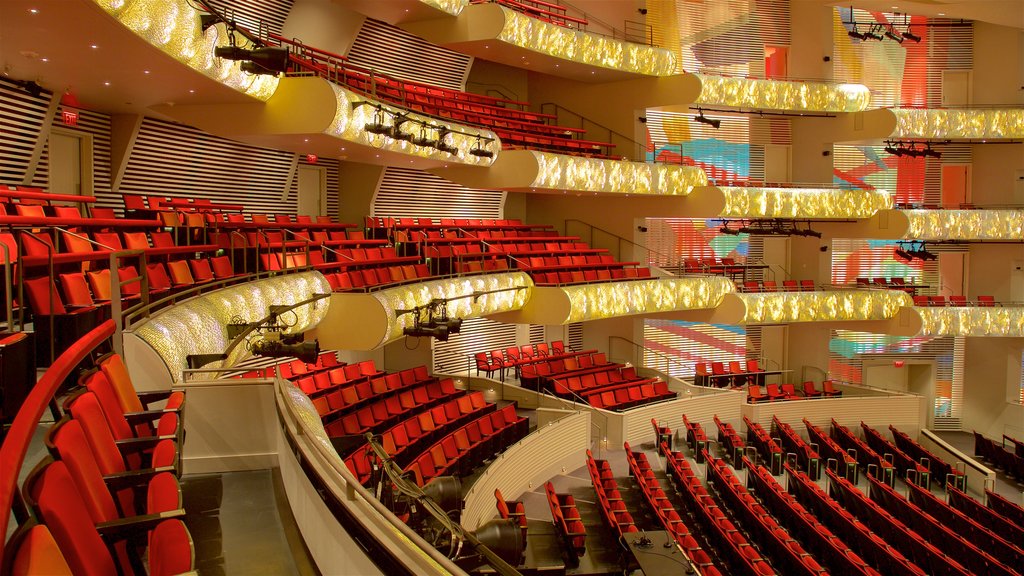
70, 117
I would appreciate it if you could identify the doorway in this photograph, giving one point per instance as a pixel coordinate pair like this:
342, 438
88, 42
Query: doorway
312, 190
70, 162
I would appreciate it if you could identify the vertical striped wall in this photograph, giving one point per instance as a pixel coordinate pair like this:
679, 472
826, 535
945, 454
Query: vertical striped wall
477, 335
910, 180
392, 51
21, 119
405, 192
727, 36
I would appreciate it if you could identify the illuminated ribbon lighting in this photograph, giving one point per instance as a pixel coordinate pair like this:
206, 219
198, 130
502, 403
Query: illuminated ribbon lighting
560, 172
972, 321
173, 26
751, 202
612, 299
754, 93
966, 124
585, 47
965, 224
822, 306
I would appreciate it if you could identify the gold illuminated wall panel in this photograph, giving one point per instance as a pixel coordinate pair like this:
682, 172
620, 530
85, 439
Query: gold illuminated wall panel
748, 202
198, 325
453, 7
972, 321
959, 124
559, 172
585, 47
965, 224
173, 27
504, 299
349, 122
759, 94
611, 299
822, 306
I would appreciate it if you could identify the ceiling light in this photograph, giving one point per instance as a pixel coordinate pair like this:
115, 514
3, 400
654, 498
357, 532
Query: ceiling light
378, 126
33, 11
93, 46
106, 83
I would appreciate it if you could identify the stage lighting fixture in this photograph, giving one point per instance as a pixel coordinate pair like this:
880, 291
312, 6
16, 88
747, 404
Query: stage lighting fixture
207, 20
872, 34
700, 117
272, 60
911, 36
275, 348
903, 255
378, 126
895, 151
446, 491
855, 34
423, 139
730, 231
396, 130
891, 34
503, 537
480, 151
443, 145
929, 151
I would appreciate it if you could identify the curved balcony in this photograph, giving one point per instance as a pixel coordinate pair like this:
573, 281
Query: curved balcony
533, 171
965, 225
1006, 320
837, 305
972, 124
780, 202
496, 33
597, 301
789, 95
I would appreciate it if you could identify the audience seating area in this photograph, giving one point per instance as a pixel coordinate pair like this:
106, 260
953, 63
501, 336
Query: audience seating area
568, 526
1010, 461
609, 500
773, 286
893, 283
942, 301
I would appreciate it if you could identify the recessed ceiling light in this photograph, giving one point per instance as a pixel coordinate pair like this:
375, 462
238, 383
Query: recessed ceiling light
378, 155
145, 71
44, 59
342, 148
94, 46
33, 11
942, 13
305, 139
191, 91
106, 83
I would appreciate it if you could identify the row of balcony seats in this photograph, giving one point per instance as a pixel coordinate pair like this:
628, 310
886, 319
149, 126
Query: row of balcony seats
866, 456
719, 530
792, 443
787, 553
662, 508
106, 499
1003, 515
762, 441
1010, 461
939, 469
731, 441
831, 450
893, 283
906, 467
614, 513
772, 286
500, 360
544, 11
514, 511
719, 266
941, 301
567, 523
696, 439
737, 374
778, 392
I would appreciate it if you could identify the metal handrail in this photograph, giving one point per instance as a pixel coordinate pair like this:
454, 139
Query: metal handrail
591, 227
638, 148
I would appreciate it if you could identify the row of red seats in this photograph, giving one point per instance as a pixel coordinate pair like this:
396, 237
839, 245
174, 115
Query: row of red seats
987, 515
731, 441
358, 407
410, 438
75, 508
696, 438
916, 548
629, 395
737, 374
835, 554
995, 544
867, 458
295, 369
772, 286
371, 277
831, 450
1009, 510
998, 455
786, 552
906, 467
806, 456
733, 547
946, 473
666, 513
722, 266
568, 525
518, 357
771, 393
514, 511
876, 550
983, 301
485, 264
598, 374
616, 271
343, 394
766, 447
609, 500
954, 545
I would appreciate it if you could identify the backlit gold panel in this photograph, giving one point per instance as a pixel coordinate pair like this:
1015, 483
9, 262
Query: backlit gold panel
749, 202
585, 47
972, 321
349, 125
453, 7
560, 172
965, 224
822, 306
782, 94
412, 295
611, 299
967, 123
173, 27
198, 325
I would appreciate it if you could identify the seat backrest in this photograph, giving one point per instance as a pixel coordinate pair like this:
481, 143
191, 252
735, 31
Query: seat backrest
32, 551
109, 240
124, 274
201, 269
76, 289
67, 441
136, 240
162, 239
43, 296
170, 549
157, 275
133, 202
114, 369
34, 210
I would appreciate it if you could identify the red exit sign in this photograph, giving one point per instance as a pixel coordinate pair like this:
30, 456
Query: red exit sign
70, 117
312, 158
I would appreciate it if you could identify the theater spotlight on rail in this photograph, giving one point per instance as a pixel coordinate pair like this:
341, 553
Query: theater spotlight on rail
700, 117
270, 60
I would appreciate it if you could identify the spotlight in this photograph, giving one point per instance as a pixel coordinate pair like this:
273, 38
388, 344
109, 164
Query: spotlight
207, 20
903, 255
422, 139
700, 117
271, 60
270, 348
446, 491
891, 34
889, 148
911, 36
928, 151
872, 34
444, 146
502, 537
480, 151
396, 130
730, 231
378, 126
855, 34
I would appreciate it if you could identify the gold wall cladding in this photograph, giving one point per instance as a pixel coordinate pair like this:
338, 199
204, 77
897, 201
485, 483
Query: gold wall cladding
453, 7
611, 299
782, 95
585, 47
825, 306
173, 27
198, 325
979, 123
560, 172
413, 295
349, 122
965, 224
971, 321
746, 202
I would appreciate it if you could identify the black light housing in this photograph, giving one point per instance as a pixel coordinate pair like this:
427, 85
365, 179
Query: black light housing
271, 60
378, 126
306, 351
444, 146
396, 131
479, 149
700, 117
891, 34
911, 36
207, 20
502, 537
872, 34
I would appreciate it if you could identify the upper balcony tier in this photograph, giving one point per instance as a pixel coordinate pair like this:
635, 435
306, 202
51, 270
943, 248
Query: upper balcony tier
789, 95
957, 124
